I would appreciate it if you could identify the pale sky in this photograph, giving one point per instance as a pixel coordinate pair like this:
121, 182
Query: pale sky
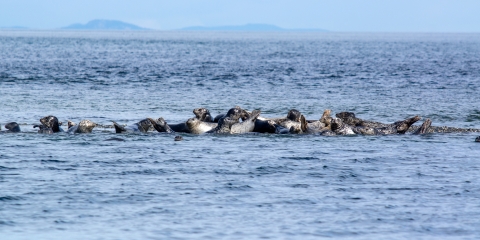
333, 15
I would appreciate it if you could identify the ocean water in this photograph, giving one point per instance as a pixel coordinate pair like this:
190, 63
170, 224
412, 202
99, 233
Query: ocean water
243, 186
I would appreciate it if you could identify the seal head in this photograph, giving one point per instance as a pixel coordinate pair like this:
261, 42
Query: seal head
203, 114
12, 127
85, 126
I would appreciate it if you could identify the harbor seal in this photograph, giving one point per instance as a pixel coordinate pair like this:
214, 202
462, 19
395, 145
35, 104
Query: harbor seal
224, 126
235, 113
51, 121
203, 114
12, 127
424, 128
196, 126
160, 125
246, 126
142, 126
43, 129
178, 138
85, 126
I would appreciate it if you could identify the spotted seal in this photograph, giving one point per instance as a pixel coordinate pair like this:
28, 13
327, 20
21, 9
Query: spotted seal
141, 127
43, 129
246, 126
372, 127
203, 114
12, 127
424, 128
196, 126
161, 125
224, 126
292, 121
84, 126
235, 113
52, 122
399, 127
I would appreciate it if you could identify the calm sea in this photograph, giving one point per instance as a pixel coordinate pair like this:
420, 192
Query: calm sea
245, 186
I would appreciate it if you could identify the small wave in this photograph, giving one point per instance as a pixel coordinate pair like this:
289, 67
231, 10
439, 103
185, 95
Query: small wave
10, 198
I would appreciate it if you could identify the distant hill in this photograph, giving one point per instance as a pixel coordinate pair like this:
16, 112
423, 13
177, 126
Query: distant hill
248, 28
104, 25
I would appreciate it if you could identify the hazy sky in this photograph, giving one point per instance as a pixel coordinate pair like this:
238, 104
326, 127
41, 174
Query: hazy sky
333, 15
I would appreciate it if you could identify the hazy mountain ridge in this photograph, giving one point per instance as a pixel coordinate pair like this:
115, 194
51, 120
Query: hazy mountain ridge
100, 24
249, 27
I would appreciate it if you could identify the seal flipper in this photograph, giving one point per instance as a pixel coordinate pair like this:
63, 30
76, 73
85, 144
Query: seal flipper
424, 128
118, 127
304, 124
403, 126
43, 129
161, 125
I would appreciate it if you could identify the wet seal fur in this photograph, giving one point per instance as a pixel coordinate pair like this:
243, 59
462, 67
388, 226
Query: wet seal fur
142, 126
196, 126
341, 128
224, 126
203, 114
85, 126
12, 127
52, 122
178, 138
161, 125
246, 126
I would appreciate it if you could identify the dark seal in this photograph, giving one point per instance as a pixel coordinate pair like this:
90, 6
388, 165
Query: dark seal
178, 138
12, 127
161, 125
51, 121
224, 126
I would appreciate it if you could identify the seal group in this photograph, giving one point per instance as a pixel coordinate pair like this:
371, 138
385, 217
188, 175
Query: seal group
241, 121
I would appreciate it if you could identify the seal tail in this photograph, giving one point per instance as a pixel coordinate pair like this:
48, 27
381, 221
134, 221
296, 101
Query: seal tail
118, 127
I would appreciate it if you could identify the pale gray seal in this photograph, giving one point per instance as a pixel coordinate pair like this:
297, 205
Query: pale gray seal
246, 126
201, 114
85, 126
196, 126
